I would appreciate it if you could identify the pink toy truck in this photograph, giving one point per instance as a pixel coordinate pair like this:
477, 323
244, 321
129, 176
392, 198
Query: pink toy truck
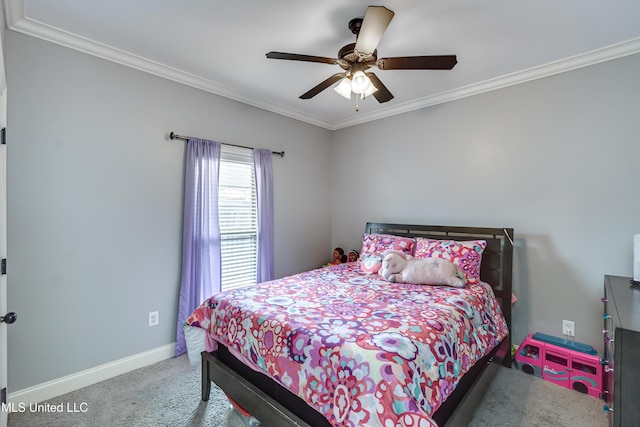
567, 363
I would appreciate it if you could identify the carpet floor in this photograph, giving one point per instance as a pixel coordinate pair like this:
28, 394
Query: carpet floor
168, 394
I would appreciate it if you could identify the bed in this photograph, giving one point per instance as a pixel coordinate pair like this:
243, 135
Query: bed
336, 346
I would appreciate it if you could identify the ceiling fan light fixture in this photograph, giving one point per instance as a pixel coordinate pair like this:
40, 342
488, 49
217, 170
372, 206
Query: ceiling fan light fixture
360, 82
369, 90
344, 88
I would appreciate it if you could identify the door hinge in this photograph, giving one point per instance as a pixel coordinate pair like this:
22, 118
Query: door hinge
3, 136
4, 266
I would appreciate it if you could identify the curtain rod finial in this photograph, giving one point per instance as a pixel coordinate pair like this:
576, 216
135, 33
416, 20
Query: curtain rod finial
172, 135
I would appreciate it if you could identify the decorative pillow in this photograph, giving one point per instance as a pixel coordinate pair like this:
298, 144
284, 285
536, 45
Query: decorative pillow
373, 245
371, 264
467, 254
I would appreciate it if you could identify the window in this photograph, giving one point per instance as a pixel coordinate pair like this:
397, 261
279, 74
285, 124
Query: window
238, 212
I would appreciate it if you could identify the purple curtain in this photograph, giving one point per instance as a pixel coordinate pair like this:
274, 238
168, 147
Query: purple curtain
264, 191
201, 261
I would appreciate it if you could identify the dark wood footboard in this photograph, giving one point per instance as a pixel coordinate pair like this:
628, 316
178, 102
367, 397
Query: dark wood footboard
459, 407
274, 405
254, 400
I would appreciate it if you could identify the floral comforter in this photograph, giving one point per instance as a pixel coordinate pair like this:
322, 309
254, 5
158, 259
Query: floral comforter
358, 349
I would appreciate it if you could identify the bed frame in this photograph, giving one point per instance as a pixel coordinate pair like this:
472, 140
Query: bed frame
276, 406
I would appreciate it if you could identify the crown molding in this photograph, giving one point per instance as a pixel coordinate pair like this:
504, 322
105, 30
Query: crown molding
17, 21
619, 50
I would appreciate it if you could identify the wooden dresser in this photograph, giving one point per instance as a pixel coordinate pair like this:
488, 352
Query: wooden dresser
621, 384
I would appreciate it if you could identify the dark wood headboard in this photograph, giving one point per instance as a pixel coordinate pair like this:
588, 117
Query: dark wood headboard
497, 259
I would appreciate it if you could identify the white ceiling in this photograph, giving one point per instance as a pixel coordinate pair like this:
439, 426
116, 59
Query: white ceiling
220, 46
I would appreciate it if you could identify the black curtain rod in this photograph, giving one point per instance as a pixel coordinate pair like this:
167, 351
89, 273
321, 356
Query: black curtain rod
173, 135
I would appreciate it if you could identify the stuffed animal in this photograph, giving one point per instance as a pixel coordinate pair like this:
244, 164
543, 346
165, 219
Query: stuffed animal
371, 264
400, 267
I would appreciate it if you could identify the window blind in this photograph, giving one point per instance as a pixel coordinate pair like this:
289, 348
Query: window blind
238, 216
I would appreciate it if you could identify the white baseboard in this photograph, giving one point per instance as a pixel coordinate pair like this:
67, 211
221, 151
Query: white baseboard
60, 386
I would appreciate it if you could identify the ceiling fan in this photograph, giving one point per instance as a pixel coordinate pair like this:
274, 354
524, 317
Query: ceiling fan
356, 58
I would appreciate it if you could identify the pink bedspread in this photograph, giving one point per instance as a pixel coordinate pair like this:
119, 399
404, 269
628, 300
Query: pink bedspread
358, 349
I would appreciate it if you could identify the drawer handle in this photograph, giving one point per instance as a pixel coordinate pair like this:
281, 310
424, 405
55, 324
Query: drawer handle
603, 299
607, 409
607, 368
608, 340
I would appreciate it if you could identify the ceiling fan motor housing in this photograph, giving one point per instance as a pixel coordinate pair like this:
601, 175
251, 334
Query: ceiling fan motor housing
348, 54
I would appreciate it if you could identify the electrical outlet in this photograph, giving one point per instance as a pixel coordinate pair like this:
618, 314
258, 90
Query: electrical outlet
568, 328
154, 318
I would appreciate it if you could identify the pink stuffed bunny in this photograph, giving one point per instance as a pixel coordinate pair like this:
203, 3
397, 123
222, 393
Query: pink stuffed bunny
400, 267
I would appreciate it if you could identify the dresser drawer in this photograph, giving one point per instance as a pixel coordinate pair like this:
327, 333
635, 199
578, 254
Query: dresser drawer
621, 335
608, 361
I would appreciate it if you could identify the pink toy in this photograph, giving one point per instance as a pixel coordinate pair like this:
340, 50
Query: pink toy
567, 363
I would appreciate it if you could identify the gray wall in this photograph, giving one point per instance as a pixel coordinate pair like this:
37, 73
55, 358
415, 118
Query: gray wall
94, 203
556, 158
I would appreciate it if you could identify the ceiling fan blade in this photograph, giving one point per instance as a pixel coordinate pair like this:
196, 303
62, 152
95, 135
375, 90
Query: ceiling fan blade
375, 23
382, 94
437, 62
322, 86
297, 57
